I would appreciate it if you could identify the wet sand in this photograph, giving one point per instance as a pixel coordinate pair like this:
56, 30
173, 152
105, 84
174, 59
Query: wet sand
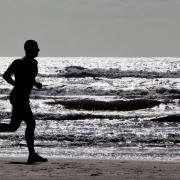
87, 169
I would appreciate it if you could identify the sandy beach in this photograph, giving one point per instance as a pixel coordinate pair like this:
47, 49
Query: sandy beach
59, 168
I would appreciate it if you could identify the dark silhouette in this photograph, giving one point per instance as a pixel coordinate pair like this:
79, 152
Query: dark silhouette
25, 70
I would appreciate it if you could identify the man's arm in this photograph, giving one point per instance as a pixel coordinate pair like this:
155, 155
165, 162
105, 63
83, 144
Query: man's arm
38, 85
8, 73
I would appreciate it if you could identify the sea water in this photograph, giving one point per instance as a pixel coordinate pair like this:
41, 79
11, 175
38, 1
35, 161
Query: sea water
61, 131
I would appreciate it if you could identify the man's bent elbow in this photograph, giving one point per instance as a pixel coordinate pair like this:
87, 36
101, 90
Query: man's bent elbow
4, 76
7, 78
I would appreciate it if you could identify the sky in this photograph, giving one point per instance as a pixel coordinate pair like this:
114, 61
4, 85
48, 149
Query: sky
91, 28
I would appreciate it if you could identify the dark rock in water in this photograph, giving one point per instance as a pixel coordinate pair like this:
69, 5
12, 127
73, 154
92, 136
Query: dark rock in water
108, 106
77, 67
171, 118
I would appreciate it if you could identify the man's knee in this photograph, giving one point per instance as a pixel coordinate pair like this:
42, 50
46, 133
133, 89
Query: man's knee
13, 128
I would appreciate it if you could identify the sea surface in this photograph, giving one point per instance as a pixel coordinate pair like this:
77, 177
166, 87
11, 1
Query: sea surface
100, 107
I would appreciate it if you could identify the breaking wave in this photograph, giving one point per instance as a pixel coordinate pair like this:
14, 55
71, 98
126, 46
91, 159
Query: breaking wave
81, 72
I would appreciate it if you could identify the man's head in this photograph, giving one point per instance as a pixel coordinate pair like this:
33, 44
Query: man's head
31, 48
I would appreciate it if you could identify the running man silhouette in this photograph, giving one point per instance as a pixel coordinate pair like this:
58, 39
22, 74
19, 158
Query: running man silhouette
25, 70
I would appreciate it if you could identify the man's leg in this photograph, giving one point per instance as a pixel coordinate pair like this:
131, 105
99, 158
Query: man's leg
31, 124
16, 119
29, 135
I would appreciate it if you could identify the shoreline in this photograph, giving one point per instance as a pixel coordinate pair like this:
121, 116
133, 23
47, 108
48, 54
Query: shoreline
96, 159
73, 168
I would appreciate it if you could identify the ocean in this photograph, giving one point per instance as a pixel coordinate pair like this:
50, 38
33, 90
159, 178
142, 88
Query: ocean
100, 107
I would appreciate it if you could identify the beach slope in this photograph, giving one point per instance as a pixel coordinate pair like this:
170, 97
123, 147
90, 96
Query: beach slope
80, 169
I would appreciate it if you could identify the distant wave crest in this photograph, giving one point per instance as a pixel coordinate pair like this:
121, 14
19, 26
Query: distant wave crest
80, 72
